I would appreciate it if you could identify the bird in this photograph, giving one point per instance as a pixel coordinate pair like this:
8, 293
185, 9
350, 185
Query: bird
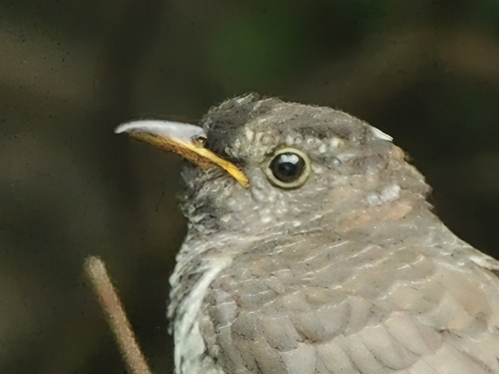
312, 248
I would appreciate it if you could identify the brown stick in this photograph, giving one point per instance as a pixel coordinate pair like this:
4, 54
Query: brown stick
116, 316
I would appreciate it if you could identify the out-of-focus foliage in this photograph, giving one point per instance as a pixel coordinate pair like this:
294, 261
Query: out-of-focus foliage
426, 72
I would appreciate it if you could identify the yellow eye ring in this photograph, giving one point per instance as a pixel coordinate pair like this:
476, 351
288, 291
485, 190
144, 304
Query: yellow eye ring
288, 168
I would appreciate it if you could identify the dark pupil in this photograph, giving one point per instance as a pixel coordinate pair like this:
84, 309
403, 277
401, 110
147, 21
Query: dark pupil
287, 167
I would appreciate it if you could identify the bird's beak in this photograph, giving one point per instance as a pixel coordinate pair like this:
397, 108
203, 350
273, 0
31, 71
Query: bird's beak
183, 139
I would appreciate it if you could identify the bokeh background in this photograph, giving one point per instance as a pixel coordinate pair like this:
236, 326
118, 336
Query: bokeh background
426, 72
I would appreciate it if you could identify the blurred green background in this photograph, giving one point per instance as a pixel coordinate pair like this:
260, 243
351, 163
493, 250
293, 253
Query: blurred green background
426, 72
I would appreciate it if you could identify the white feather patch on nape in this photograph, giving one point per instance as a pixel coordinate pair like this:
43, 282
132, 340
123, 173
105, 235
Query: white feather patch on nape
380, 134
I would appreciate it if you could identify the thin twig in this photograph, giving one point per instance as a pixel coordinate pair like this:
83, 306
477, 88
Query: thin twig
116, 316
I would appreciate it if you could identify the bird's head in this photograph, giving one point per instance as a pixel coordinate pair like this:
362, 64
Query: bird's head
264, 165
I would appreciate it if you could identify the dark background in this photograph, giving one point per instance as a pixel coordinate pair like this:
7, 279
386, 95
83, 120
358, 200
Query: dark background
426, 72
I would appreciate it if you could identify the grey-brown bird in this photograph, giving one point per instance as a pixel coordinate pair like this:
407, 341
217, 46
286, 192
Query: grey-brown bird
312, 249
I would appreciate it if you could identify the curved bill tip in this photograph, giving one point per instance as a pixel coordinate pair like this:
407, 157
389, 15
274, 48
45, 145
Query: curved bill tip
169, 129
183, 139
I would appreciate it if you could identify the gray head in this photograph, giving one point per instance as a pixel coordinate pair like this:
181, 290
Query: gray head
308, 167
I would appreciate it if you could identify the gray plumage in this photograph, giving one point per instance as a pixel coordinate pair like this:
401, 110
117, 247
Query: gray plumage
351, 272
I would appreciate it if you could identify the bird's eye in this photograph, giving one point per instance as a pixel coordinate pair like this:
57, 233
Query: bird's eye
289, 168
